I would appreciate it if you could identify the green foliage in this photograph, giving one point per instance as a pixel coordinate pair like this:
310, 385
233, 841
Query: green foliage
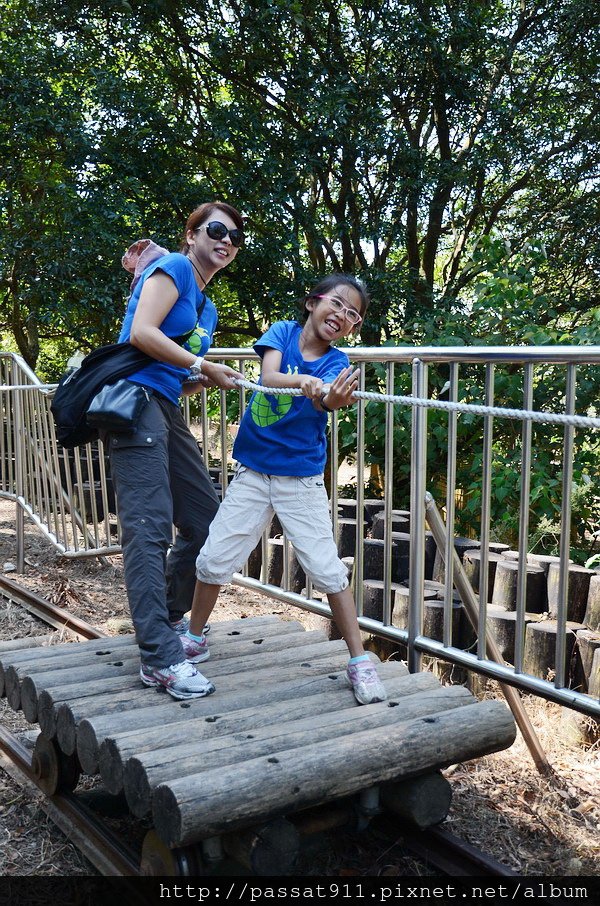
445, 152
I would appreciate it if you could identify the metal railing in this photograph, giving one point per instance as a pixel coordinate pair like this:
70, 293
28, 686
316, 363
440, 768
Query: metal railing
68, 495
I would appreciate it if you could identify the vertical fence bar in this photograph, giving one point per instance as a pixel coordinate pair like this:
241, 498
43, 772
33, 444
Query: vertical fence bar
223, 434
418, 486
486, 496
524, 518
360, 496
565, 531
204, 426
334, 465
388, 497
19, 472
450, 506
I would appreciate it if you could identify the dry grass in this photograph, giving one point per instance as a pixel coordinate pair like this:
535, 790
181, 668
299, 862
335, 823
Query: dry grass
535, 824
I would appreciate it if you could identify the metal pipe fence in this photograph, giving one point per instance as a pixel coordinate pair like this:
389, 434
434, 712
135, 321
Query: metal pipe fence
68, 494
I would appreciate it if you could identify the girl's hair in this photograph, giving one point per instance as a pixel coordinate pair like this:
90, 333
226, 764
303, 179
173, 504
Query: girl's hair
327, 284
202, 213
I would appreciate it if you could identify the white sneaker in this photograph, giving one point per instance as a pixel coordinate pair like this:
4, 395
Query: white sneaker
366, 685
182, 680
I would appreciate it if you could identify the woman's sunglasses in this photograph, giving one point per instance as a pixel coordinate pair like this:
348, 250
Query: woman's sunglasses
217, 230
337, 305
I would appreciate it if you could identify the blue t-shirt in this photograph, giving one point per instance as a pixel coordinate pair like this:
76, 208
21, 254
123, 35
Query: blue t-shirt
182, 319
282, 434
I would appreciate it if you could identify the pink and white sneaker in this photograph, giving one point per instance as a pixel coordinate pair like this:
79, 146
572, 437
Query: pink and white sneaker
365, 682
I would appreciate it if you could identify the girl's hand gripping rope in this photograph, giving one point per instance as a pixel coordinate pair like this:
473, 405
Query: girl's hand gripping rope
340, 392
312, 387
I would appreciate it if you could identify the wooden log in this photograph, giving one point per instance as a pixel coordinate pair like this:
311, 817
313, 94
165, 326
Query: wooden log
214, 801
594, 678
400, 557
254, 562
592, 610
430, 552
346, 537
502, 624
577, 591
347, 507
460, 546
506, 585
143, 773
539, 653
373, 552
142, 730
76, 675
270, 850
497, 547
422, 801
544, 560
401, 601
472, 566
433, 617
31, 641
69, 652
274, 561
372, 506
229, 675
398, 524
110, 647
296, 575
53, 770
373, 596
149, 744
43, 694
586, 643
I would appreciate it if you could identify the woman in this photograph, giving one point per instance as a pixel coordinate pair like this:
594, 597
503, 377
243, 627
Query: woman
160, 477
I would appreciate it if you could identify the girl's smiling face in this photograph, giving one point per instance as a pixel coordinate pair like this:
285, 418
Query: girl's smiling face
336, 314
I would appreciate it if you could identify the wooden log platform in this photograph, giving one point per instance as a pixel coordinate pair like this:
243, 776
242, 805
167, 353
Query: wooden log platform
282, 732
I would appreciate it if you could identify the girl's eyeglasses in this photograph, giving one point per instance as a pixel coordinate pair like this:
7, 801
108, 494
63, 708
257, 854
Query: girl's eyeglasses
217, 230
338, 306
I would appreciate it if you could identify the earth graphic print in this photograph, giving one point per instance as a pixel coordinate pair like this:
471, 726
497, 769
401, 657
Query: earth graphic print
268, 409
194, 341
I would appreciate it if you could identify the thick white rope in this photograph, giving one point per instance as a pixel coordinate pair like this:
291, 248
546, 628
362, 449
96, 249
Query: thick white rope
550, 418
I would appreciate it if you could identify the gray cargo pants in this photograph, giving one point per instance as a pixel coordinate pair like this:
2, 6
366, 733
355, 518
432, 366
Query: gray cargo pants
160, 481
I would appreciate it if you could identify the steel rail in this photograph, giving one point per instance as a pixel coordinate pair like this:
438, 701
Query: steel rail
98, 845
46, 611
451, 855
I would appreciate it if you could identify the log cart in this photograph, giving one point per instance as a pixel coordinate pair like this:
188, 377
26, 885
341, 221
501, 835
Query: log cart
281, 750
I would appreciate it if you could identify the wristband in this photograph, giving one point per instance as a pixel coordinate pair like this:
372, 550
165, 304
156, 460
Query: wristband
197, 365
321, 400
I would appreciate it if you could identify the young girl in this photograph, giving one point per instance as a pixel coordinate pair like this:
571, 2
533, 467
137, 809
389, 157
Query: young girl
281, 450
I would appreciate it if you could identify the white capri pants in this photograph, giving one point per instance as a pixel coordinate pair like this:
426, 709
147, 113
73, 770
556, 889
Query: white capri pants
247, 509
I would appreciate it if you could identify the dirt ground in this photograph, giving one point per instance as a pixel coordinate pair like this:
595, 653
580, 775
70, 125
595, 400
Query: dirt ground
534, 825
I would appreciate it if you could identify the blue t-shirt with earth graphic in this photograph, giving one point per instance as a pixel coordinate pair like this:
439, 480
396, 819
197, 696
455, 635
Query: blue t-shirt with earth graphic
189, 313
282, 434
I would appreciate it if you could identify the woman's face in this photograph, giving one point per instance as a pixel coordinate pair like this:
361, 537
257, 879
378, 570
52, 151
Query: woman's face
213, 254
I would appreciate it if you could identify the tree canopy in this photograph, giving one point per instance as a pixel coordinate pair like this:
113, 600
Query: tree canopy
445, 151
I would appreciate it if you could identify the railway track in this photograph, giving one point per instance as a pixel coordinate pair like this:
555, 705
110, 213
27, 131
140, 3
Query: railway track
436, 847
